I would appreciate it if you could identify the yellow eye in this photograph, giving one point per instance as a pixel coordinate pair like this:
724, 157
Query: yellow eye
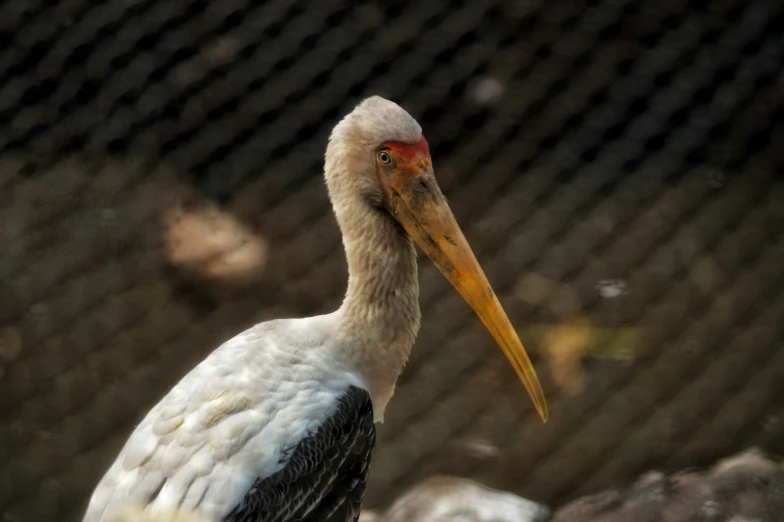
384, 157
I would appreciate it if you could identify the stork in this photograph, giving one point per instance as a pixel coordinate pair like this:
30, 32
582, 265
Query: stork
277, 424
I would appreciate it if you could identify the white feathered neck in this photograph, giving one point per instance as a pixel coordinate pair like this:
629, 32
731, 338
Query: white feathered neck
379, 319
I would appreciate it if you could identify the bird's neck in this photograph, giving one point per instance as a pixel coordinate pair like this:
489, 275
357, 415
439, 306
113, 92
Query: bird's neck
380, 316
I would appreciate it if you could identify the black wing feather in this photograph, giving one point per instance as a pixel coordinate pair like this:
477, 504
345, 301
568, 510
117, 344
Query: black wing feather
325, 475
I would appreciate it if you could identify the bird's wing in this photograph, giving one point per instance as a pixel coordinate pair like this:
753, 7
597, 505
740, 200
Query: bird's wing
325, 474
222, 449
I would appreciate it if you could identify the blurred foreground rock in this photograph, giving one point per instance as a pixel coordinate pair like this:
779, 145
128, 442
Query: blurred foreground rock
748, 487
454, 499
745, 487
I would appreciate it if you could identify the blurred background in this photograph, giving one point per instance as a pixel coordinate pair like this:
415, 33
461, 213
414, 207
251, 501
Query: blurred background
615, 164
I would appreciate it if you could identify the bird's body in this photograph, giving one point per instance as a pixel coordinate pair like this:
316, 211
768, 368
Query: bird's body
277, 423
233, 420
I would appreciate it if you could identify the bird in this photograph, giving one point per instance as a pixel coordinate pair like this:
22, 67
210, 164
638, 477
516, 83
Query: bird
278, 422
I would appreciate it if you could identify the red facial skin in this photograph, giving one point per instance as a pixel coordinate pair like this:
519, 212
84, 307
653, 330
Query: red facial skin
411, 160
405, 153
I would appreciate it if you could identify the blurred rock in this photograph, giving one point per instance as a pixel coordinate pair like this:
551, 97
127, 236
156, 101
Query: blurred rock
212, 247
745, 487
610, 288
486, 91
454, 499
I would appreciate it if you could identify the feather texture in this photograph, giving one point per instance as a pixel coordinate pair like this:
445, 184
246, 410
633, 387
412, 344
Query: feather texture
228, 422
325, 474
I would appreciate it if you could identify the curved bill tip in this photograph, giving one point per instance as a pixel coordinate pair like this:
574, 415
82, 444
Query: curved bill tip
531, 382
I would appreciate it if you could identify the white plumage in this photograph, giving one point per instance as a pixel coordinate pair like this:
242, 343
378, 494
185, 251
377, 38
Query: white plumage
225, 423
140, 515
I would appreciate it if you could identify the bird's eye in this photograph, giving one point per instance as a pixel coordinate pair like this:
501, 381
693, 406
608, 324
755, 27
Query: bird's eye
385, 157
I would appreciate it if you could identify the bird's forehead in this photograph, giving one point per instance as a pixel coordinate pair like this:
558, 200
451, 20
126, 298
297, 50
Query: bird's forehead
408, 152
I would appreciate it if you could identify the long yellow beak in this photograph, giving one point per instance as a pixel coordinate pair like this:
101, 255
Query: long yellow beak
417, 203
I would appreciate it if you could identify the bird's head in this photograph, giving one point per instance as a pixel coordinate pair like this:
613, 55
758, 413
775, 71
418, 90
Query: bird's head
378, 156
